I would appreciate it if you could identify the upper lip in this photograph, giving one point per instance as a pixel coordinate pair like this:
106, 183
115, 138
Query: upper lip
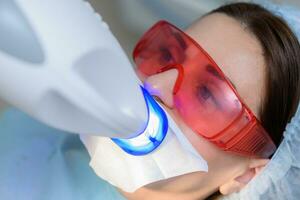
157, 99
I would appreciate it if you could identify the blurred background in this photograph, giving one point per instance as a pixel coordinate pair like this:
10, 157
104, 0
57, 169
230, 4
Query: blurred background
128, 19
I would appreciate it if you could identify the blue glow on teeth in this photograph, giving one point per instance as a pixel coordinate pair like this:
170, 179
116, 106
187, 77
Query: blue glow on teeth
154, 133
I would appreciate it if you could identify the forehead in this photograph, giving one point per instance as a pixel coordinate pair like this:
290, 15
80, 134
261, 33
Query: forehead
237, 52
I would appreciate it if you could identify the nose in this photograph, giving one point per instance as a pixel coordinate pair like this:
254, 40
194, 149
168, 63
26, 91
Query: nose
162, 85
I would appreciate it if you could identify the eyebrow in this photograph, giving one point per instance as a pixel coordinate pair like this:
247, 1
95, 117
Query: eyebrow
213, 71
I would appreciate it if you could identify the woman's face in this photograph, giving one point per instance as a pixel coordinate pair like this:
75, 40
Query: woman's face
239, 55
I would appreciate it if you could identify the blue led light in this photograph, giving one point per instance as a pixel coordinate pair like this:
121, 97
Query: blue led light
154, 133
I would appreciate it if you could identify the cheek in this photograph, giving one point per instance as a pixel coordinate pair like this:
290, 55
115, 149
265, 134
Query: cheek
217, 159
221, 165
203, 147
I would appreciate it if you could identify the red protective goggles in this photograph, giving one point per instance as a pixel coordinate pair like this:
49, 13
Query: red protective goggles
204, 98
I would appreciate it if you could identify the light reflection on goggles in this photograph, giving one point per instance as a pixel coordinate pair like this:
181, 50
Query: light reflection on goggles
154, 133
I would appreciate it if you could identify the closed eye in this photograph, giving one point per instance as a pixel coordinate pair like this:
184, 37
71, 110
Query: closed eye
205, 94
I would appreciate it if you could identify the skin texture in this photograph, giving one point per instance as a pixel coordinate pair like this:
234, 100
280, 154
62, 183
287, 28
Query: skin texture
239, 55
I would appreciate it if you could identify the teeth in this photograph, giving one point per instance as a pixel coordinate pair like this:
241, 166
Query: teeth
154, 133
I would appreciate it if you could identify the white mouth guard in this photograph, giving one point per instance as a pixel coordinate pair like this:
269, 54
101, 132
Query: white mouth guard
154, 133
173, 156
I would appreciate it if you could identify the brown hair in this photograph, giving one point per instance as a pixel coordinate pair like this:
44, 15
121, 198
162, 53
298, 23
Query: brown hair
282, 56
